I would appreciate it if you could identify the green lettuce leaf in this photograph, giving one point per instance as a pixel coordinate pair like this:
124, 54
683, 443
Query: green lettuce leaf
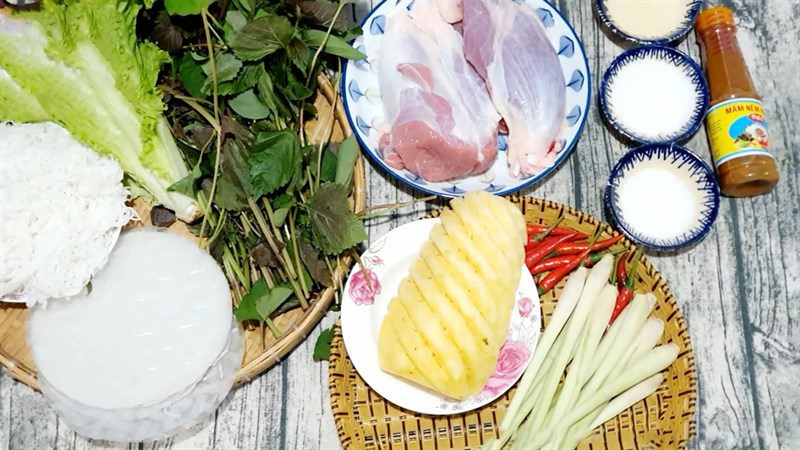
83, 64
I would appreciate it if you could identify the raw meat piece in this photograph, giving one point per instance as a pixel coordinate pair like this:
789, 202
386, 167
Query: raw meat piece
506, 43
450, 10
441, 122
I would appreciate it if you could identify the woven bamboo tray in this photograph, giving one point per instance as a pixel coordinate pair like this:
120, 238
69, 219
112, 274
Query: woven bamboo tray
665, 420
261, 352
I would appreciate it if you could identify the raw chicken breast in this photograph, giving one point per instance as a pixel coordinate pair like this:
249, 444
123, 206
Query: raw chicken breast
506, 43
441, 122
450, 10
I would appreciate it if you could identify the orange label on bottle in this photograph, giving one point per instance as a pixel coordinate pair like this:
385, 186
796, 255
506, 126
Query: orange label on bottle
737, 128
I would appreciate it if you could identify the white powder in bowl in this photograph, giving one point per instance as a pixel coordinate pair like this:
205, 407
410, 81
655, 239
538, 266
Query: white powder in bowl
651, 98
648, 19
658, 203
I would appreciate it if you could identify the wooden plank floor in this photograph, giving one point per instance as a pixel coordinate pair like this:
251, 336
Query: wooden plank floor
739, 288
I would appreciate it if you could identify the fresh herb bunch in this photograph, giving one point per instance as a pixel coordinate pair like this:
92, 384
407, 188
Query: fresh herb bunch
276, 209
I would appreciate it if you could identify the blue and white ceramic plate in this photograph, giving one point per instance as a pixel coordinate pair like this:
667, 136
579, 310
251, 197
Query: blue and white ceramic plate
692, 10
663, 196
690, 69
362, 101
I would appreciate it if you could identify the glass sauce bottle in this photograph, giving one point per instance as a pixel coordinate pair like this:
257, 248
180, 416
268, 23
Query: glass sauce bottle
737, 130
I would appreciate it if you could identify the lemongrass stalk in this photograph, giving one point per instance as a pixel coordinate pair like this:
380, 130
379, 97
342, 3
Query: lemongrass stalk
535, 395
566, 304
579, 431
628, 398
641, 306
645, 341
595, 283
596, 324
523, 432
648, 337
601, 314
601, 415
605, 345
650, 364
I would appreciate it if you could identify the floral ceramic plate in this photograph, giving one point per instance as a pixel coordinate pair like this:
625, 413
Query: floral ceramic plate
362, 101
365, 304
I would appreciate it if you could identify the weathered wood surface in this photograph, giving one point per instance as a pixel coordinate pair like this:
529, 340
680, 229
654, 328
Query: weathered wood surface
739, 288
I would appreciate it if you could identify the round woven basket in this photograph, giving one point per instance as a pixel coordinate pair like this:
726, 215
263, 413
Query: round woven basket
261, 350
665, 420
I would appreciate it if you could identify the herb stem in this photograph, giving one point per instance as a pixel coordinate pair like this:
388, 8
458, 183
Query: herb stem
211, 57
223, 217
312, 67
310, 181
265, 230
271, 217
267, 277
299, 263
324, 139
274, 329
389, 207
203, 44
195, 104
234, 266
282, 256
362, 267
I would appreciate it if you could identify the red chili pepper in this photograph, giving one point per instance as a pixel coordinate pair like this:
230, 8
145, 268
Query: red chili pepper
557, 231
557, 261
549, 281
537, 237
536, 253
621, 275
574, 248
626, 292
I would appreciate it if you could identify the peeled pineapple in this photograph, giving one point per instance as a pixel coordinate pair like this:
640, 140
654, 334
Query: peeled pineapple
445, 327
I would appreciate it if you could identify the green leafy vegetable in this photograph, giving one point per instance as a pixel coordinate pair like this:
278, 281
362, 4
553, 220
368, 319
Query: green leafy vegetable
273, 209
322, 348
249, 106
261, 302
227, 67
296, 90
185, 7
330, 161
334, 227
347, 156
234, 21
262, 37
233, 183
187, 184
247, 79
247, 306
85, 68
274, 158
315, 264
192, 76
267, 304
335, 45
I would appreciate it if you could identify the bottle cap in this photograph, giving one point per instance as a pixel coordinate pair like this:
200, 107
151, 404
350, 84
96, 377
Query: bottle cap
712, 17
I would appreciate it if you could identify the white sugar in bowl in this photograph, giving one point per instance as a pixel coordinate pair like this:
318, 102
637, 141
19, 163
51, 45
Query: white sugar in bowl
662, 196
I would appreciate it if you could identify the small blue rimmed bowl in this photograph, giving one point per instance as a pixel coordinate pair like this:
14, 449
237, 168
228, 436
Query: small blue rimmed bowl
663, 196
692, 10
654, 102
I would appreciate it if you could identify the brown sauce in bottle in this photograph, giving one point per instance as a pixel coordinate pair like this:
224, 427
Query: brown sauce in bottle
737, 129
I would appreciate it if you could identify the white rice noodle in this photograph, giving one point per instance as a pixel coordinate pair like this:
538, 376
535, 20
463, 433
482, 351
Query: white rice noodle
63, 206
